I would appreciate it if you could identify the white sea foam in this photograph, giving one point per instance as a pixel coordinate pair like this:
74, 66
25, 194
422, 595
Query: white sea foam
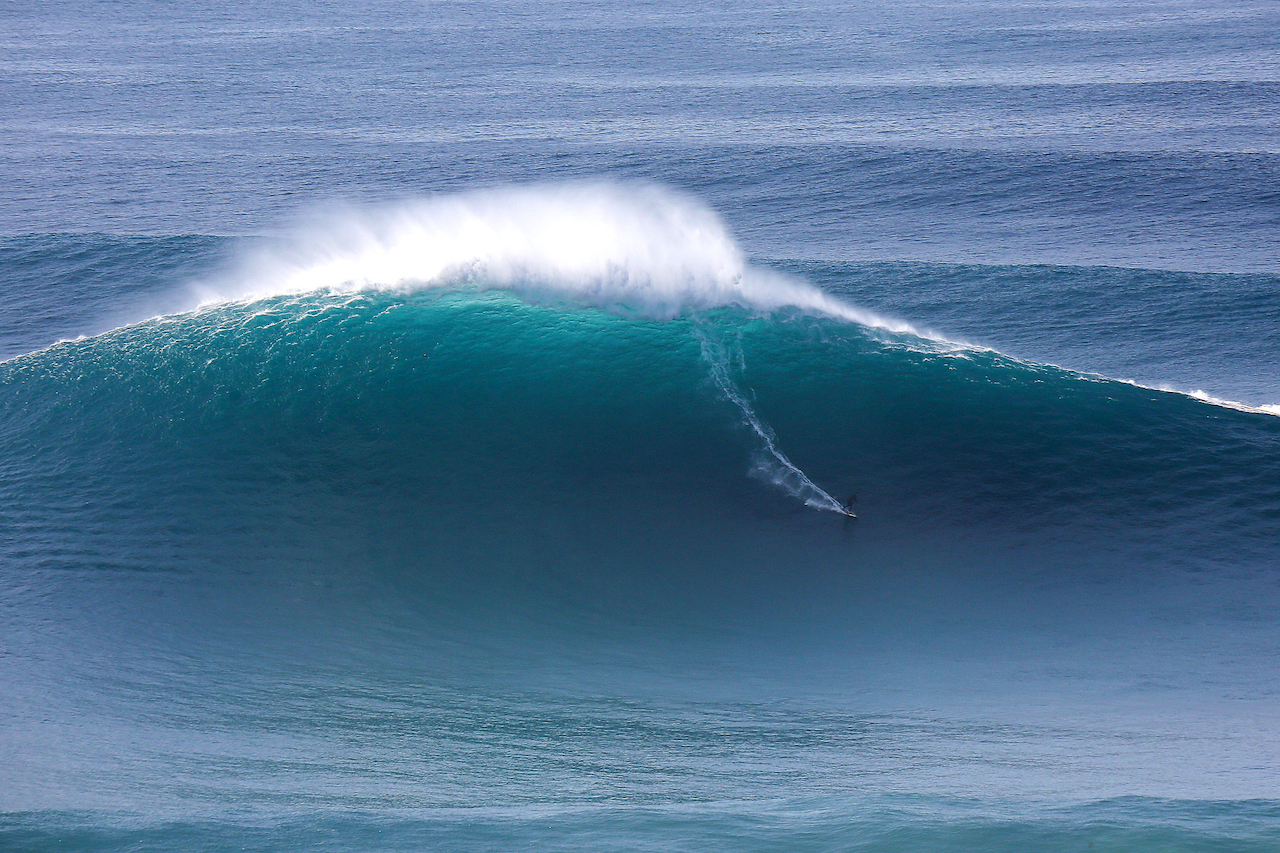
770, 465
638, 248
1205, 397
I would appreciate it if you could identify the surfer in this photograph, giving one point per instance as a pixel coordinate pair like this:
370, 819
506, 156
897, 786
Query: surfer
848, 505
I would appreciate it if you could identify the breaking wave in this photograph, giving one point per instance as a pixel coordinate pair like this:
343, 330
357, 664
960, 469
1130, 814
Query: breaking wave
638, 249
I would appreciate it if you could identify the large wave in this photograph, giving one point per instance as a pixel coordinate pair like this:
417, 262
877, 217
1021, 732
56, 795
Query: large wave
490, 395
640, 250
351, 303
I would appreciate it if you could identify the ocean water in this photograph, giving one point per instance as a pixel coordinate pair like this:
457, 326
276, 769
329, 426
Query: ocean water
424, 426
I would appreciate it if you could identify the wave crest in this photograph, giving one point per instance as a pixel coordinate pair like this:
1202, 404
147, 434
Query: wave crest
642, 249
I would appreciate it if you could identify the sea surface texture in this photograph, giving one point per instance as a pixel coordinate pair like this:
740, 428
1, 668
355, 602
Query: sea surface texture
426, 426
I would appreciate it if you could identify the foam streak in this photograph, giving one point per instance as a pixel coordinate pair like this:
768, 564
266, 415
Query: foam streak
771, 464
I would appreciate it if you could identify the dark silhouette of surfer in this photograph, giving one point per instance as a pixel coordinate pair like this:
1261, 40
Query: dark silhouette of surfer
848, 505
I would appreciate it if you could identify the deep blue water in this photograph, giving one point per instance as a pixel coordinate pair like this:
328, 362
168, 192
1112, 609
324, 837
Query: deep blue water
421, 425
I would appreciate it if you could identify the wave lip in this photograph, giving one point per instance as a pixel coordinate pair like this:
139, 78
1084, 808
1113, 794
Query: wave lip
634, 248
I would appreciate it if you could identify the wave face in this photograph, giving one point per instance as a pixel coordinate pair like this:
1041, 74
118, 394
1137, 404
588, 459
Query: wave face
505, 518
481, 396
